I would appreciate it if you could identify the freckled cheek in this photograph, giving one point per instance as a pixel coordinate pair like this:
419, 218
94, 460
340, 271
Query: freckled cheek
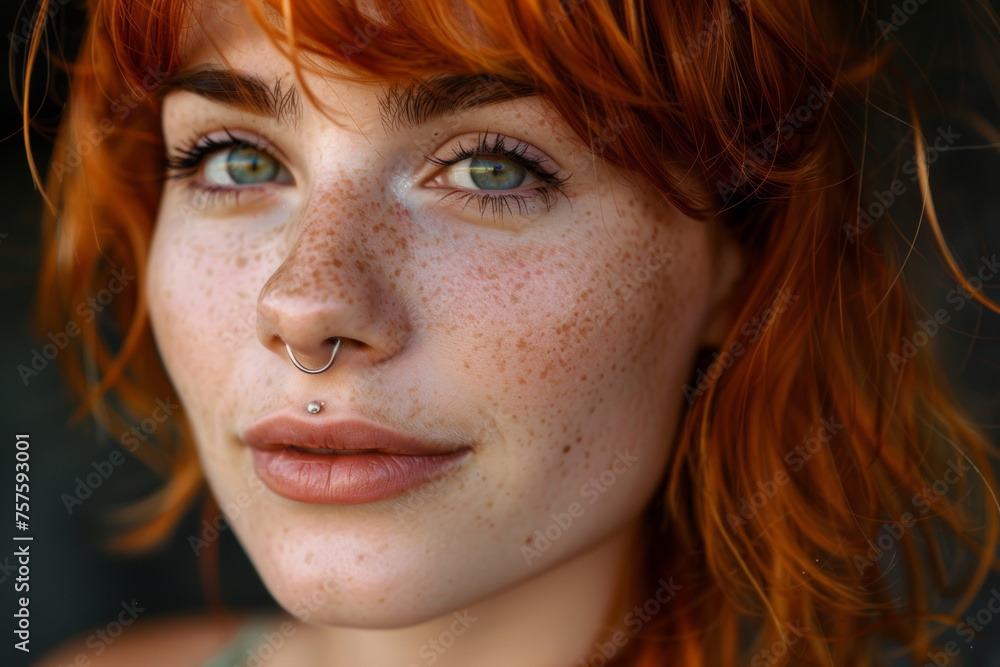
591, 367
195, 307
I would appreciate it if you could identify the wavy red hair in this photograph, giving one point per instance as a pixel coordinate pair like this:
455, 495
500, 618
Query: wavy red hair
740, 109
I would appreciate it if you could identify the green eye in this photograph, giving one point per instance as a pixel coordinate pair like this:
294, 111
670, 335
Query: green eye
496, 172
242, 165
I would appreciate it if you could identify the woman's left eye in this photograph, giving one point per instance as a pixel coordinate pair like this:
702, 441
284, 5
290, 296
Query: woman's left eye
488, 172
500, 174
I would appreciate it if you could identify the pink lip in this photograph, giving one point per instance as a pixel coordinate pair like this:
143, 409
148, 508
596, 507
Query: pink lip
378, 462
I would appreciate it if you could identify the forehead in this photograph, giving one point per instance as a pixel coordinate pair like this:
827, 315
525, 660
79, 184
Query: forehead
220, 29
219, 25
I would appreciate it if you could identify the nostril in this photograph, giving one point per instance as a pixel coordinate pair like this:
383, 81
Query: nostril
313, 371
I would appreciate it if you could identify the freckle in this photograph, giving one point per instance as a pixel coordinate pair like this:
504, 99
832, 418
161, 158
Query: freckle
241, 261
566, 449
361, 557
309, 558
381, 599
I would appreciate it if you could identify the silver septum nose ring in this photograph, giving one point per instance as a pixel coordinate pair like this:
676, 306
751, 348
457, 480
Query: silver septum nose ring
314, 406
333, 355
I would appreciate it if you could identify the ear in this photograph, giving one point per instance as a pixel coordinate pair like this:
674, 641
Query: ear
728, 265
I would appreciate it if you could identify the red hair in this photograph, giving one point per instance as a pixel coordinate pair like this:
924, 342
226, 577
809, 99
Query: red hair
740, 109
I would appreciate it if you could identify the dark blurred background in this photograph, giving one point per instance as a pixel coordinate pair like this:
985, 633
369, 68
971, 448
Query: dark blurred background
77, 588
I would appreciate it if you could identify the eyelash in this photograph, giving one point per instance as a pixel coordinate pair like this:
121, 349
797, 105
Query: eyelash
190, 158
552, 184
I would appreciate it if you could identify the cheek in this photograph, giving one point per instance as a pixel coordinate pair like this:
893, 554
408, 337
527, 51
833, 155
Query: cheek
579, 350
201, 307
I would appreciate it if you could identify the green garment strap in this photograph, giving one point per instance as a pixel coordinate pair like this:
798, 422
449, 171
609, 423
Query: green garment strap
249, 641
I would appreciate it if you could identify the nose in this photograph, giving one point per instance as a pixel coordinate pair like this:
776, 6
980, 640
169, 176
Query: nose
330, 287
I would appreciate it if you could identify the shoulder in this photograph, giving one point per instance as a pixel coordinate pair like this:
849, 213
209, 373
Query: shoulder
175, 641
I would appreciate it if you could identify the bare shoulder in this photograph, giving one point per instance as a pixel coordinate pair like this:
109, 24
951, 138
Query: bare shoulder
175, 641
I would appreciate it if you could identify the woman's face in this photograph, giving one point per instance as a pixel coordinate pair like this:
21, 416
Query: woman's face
531, 309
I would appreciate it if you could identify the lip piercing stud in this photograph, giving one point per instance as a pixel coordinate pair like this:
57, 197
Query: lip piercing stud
315, 407
291, 355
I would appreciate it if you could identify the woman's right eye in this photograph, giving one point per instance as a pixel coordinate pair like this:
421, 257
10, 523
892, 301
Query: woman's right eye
228, 162
244, 165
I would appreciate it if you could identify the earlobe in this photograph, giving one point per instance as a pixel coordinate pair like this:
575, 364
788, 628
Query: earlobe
728, 265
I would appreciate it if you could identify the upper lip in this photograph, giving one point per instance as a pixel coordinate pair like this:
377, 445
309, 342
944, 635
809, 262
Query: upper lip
342, 433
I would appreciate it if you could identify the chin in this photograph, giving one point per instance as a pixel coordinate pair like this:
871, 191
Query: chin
359, 597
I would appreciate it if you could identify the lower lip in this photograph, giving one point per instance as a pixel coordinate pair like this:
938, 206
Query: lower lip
348, 479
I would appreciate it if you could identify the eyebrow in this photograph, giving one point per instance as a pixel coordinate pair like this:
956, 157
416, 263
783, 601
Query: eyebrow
422, 101
240, 90
400, 106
